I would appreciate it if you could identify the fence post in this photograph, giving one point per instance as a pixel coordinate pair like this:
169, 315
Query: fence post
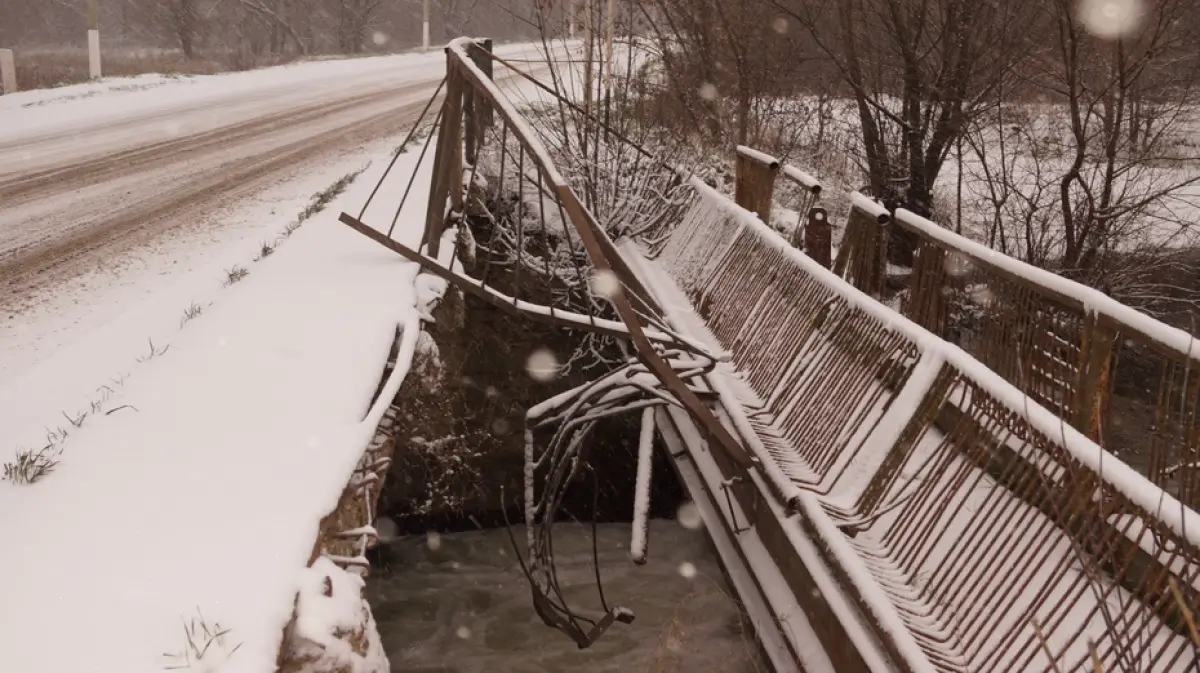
925, 303
862, 258
1091, 396
476, 110
8, 72
818, 237
755, 185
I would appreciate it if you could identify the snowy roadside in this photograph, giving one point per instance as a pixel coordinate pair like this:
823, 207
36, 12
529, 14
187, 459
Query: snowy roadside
116, 99
196, 488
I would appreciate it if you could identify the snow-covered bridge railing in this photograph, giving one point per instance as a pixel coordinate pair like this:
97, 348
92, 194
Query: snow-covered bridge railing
873, 489
1124, 379
972, 527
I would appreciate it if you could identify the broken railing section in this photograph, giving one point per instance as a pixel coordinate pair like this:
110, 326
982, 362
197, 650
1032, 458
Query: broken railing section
543, 255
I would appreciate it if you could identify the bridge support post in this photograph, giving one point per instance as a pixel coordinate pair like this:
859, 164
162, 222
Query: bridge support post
755, 186
8, 72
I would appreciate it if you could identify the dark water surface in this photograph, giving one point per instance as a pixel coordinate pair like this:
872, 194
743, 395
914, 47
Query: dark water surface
459, 604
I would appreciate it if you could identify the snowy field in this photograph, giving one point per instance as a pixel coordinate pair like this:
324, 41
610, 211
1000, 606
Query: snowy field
205, 426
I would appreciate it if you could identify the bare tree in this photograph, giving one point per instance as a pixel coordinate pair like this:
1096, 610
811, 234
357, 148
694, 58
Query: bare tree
919, 71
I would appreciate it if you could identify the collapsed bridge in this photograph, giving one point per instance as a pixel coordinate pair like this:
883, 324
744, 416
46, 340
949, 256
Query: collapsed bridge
885, 493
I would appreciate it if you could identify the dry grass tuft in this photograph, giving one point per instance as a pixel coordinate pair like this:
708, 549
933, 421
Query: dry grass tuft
235, 274
30, 466
203, 643
191, 313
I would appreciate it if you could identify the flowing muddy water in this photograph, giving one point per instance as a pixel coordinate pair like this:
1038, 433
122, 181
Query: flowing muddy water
459, 603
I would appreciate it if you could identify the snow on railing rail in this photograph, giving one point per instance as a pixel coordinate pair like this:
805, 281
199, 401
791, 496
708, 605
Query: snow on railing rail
1088, 299
956, 449
1182, 520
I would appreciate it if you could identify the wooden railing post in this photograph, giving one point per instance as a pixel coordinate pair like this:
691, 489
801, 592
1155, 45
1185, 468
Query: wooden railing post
861, 259
818, 237
1093, 389
755, 186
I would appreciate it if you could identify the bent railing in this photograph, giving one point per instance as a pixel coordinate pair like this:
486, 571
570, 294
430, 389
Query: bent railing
973, 526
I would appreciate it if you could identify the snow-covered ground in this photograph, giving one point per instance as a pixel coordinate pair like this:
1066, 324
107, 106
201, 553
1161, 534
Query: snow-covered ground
67, 334
192, 476
199, 483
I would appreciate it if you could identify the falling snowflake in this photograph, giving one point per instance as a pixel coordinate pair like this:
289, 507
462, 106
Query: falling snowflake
689, 516
463, 632
434, 541
780, 24
501, 427
379, 38
543, 366
957, 264
1110, 19
605, 284
708, 91
687, 570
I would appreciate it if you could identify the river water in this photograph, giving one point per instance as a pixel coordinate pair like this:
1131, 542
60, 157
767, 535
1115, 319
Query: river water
459, 604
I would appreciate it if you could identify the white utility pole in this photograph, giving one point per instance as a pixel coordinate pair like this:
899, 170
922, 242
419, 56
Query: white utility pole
93, 20
571, 19
589, 56
425, 27
8, 71
608, 76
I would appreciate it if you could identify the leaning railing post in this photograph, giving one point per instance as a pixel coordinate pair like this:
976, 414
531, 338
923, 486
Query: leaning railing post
475, 108
755, 181
1093, 388
447, 162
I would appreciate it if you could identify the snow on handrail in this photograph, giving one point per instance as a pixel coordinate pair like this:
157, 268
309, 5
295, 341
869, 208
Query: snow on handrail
1140, 491
760, 157
803, 179
1090, 299
873, 208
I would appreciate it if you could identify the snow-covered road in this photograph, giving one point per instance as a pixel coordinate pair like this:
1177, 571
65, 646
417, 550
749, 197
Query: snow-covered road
122, 202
